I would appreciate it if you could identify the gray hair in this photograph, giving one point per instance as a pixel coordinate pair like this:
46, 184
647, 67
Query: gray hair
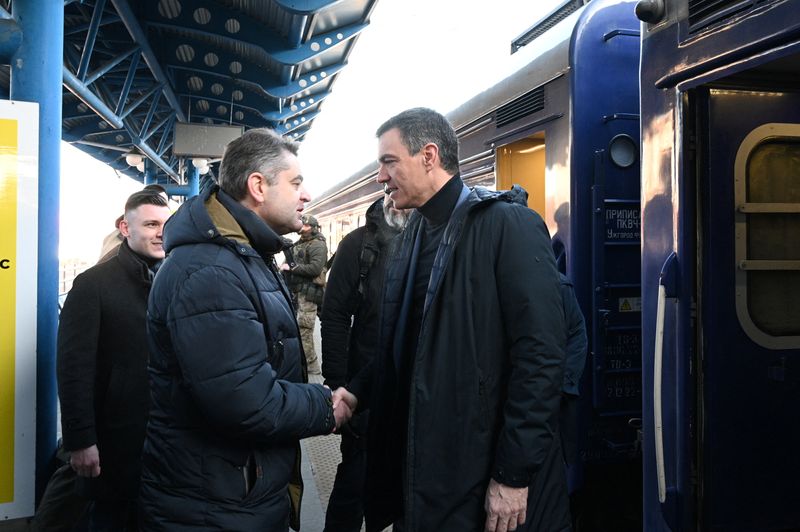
420, 126
257, 150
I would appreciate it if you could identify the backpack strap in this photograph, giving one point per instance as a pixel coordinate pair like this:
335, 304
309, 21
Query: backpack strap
367, 258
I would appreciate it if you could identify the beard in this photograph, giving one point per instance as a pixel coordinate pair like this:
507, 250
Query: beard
395, 219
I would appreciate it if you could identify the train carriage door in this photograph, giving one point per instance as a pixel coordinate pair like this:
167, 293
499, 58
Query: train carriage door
523, 163
748, 294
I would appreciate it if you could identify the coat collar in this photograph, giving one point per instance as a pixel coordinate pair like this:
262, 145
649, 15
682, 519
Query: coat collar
196, 222
134, 265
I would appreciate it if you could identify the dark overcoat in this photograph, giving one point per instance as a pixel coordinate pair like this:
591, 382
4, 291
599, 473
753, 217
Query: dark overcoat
102, 371
226, 376
486, 378
349, 321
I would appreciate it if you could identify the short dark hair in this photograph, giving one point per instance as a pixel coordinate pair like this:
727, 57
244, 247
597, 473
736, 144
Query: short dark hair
257, 150
155, 187
144, 197
420, 126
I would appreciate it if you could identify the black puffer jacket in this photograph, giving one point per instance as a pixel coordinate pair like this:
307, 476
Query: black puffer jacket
226, 372
486, 377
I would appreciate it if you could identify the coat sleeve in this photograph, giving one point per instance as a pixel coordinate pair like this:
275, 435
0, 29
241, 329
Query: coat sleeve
221, 351
76, 364
316, 256
338, 309
577, 342
530, 298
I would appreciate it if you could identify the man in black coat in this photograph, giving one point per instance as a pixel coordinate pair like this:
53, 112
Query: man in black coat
230, 400
102, 366
463, 432
349, 337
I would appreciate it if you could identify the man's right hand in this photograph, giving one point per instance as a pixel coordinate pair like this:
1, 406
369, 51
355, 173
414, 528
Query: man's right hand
86, 462
344, 404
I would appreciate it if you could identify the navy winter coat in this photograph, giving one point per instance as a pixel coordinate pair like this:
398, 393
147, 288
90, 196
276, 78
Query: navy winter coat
485, 383
226, 373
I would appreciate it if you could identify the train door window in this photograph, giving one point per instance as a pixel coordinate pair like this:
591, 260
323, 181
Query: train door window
767, 175
523, 163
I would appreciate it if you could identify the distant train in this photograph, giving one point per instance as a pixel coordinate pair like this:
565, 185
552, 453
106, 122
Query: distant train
676, 213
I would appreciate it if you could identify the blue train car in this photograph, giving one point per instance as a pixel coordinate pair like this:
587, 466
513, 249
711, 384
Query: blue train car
720, 111
565, 126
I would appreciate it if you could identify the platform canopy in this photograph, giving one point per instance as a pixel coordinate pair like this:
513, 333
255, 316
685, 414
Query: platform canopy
134, 68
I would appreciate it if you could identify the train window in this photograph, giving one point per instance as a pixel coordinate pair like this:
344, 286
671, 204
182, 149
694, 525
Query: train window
767, 224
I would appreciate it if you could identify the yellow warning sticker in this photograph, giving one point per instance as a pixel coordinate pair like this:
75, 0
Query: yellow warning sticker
630, 304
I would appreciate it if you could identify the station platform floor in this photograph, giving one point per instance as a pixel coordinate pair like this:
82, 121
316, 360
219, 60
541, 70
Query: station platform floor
321, 456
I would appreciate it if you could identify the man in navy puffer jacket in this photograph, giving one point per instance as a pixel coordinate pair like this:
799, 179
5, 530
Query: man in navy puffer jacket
227, 371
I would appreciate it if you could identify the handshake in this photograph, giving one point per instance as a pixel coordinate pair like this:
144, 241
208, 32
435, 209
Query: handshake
344, 404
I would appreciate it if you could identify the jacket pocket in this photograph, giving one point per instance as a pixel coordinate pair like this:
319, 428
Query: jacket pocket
224, 478
252, 474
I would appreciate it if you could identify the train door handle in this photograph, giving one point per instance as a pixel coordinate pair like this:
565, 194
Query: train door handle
666, 285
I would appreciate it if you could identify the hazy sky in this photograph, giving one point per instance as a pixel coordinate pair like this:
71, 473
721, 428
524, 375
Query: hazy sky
92, 196
432, 53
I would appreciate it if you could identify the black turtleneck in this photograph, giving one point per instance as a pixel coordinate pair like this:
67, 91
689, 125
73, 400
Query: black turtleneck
436, 213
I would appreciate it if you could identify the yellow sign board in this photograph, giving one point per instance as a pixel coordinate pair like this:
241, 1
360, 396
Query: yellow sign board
19, 125
8, 304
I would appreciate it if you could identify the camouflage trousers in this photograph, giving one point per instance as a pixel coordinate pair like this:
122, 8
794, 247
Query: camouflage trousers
306, 318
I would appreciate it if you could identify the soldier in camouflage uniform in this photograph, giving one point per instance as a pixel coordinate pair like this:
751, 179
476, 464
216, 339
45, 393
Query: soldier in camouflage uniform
307, 284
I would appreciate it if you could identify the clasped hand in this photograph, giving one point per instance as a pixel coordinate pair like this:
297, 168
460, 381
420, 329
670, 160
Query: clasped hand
344, 404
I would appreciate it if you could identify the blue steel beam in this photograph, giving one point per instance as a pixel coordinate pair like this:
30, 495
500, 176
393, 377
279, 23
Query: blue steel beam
94, 75
300, 122
35, 77
277, 49
10, 39
132, 24
223, 120
151, 112
307, 81
80, 90
91, 35
306, 7
297, 107
274, 88
139, 101
317, 45
237, 105
126, 87
158, 126
92, 100
193, 181
74, 30
165, 136
297, 30
251, 73
102, 146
